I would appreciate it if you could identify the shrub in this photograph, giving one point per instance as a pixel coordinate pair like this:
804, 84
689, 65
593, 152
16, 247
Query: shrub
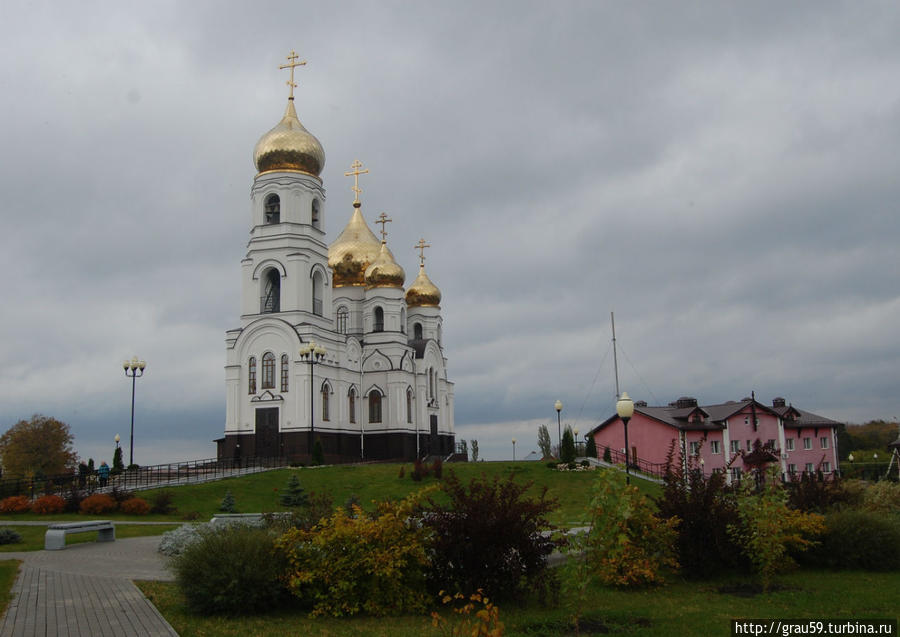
175, 541
74, 499
161, 502
97, 504
349, 564
567, 447
15, 504
135, 506
812, 492
607, 455
49, 504
627, 544
227, 505
9, 536
437, 468
488, 535
402, 473
476, 617
590, 448
419, 470
882, 497
858, 540
120, 495
293, 496
230, 569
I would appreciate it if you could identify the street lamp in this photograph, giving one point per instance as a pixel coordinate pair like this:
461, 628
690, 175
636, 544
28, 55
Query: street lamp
312, 354
625, 410
514, 449
136, 369
575, 435
558, 406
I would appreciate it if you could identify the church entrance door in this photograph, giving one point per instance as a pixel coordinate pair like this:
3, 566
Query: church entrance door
267, 432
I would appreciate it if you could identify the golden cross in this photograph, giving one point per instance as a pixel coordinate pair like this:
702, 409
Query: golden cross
356, 172
292, 62
421, 245
383, 219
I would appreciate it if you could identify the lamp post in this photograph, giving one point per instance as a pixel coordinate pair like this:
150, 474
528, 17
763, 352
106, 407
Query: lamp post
625, 410
134, 369
558, 406
575, 436
514, 449
312, 354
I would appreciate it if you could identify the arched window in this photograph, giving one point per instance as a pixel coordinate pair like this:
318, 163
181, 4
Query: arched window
439, 334
317, 293
316, 219
374, 406
251, 376
271, 298
352, 404
403, 320
273, 209
285, 364
326, 392
268, 371
417, 331
379, 320
409, 404
341, 319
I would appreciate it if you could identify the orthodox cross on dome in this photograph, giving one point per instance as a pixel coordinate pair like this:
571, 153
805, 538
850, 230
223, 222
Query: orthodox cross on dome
421, 245
356, 172
292, 62
383, 219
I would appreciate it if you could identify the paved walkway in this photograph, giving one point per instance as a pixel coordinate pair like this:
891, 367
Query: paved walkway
86, 590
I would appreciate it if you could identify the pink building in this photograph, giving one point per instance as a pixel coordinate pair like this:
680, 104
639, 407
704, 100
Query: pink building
716, 435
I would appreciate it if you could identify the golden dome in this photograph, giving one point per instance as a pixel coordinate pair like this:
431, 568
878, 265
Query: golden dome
353, 251
422, 292
289, 146
385, 272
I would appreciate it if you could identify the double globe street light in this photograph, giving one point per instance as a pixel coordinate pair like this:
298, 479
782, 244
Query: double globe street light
312, 354
134, 369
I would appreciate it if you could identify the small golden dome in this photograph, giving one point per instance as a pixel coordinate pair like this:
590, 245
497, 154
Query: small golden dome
422, 292
289, 146
385, 272
355, 249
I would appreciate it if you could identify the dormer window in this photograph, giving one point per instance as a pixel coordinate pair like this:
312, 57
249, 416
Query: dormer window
273, 209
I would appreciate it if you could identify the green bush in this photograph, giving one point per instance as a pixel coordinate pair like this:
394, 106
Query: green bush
567, 450
227, 505
590, 448
882, 497
230, 570
856, 539
8, 536
293, 496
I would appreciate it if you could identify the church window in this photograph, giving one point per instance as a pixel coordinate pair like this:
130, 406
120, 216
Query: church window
374, 406
285, 363
251, 376
417, 331
352, 404
317, 293
316, 222
408, 404
341, 319
326, 391
271, 298
268, 371
403, 320
379, 320
439, 335
273, 209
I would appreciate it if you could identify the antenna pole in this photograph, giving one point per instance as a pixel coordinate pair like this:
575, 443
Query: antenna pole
612, 318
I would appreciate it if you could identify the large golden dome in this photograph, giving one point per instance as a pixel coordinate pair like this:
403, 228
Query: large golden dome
289, 146
353, 251
385, 272
422, 292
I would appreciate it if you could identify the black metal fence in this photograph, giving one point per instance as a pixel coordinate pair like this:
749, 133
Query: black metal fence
148, 477
615, 456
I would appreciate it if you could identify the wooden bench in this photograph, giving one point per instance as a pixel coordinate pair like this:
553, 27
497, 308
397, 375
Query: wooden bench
55, 538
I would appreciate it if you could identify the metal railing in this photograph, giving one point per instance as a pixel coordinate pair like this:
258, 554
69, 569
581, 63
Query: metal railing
657, 469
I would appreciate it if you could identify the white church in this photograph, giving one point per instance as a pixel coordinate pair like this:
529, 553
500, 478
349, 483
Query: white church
331, 347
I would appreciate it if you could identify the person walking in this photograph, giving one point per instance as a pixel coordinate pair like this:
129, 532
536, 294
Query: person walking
103, 473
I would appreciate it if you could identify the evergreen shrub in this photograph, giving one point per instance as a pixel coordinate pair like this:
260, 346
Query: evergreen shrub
97, 504
228, 505
15, 504
48, 505
9, 536
293, 495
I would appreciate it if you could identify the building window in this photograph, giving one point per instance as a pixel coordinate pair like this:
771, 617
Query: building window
714, 446
273, 209
807, 443
316, 222
251, 376
403, 320
823, 442
439, 339
317, 293
379, 320
409, 405
735, 473
268, 371
792, 469
351, 400
374, 406
695, 448
735, 446
770, 443
809, 467
417, 331
271, 298
284, 373
341, 319
749, 446
826, 467
789, 444
325, 394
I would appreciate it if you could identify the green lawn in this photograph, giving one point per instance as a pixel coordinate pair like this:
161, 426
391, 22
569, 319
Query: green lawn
33, 536
8, 571
682, 608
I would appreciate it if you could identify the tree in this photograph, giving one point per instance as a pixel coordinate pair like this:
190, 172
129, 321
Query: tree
40, 446
463, 445
118, 466
590, 449
474, 450
544, 442
567, 452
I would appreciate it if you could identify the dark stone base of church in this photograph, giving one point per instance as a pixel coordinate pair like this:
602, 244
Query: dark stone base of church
337, 447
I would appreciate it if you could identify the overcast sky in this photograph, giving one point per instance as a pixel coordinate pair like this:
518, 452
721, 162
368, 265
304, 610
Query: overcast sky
723, 176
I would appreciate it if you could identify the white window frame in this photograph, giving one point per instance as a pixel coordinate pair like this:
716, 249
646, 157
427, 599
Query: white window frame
807, 443
823, 442
714, 447
789, 444
694, 448
735, 446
